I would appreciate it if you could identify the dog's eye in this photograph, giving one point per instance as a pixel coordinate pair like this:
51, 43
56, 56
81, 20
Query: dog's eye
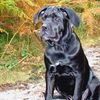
44, 17
56, 18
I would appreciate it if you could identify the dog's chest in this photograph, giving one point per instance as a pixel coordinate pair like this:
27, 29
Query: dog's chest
61, 70
55, 55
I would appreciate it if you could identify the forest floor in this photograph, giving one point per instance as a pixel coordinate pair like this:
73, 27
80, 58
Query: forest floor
30, 91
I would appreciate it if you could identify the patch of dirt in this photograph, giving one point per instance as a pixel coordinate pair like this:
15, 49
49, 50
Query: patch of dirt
22, 91
93, 56
28, 91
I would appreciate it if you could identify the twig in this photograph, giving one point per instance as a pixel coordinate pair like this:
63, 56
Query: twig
7, 34
21, 60
12, 39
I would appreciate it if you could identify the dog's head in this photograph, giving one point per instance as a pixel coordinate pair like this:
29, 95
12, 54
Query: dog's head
54, 20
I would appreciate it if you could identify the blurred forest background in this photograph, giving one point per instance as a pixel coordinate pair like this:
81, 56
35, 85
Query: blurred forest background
21, 50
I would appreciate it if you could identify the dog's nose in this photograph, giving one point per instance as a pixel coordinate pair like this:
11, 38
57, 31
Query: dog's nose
44, 27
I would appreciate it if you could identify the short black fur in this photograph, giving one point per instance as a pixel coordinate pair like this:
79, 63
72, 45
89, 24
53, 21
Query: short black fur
67, 68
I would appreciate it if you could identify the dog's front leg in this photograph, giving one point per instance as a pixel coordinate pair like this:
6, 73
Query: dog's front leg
50, 79
78, 87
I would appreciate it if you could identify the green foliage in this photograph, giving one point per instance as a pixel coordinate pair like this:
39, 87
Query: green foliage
97, 16
79, 8
12, 63
36, 51
24, 51
68, 1
90, 5
3, 41
81, 30
9, 6
31, 47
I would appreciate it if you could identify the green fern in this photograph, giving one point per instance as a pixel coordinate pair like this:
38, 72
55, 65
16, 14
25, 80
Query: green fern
10, 7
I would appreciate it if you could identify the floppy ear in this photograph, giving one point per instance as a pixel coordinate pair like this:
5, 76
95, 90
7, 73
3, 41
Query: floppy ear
72, 16
38, 14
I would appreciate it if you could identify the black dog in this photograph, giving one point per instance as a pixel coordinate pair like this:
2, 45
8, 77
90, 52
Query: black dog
67, 68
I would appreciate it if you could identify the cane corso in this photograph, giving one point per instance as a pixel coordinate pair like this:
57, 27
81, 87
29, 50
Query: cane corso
67, 68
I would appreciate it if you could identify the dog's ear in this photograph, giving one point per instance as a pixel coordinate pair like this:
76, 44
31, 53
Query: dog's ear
72, 16
38, 14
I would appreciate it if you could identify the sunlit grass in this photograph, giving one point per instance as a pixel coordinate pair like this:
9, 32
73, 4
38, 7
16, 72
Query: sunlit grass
8, 76
90, 41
